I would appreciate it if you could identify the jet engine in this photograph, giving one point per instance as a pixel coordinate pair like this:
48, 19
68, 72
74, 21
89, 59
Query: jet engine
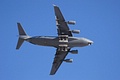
74, 51
68, 60
75, 31
71, 22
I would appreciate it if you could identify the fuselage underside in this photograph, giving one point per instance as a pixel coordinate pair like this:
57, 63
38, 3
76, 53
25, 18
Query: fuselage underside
53, 41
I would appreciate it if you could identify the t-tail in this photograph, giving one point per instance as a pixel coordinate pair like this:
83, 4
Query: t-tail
22, 36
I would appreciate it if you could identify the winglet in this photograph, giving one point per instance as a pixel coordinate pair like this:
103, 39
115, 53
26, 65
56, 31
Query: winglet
54, 5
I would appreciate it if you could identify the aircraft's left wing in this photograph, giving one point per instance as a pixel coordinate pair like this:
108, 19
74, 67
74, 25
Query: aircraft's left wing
59, 58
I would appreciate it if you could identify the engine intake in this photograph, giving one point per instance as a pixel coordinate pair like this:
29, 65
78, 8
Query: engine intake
75, 31
74, 51
68, 60
71, 22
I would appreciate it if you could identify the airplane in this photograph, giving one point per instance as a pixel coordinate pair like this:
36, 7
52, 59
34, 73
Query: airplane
63, 42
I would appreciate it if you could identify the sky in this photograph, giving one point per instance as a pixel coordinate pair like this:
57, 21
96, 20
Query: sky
98, 20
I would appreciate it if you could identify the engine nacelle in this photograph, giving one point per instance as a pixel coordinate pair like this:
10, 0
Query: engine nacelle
75, 31
74, 51
68, 60
71, 22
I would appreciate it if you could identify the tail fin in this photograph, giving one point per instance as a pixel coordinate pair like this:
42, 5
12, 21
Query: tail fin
21, 33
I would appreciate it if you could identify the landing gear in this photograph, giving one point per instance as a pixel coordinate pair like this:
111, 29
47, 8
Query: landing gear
63, 43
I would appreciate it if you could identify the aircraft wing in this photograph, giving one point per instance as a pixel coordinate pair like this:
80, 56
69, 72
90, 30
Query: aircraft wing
63, 33
61, 24
59, 58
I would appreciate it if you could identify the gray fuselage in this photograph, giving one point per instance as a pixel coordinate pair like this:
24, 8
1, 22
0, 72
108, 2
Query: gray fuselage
53, 41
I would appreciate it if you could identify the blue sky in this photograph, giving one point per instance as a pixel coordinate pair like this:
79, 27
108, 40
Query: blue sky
98, 20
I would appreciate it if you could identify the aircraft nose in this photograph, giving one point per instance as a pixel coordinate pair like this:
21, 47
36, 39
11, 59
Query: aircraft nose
90, 42
87, 41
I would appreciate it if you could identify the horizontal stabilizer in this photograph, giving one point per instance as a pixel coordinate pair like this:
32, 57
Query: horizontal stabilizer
20, 29
22, 36
20, 41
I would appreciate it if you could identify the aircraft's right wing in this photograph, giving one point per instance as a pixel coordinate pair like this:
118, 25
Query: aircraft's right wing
61, 24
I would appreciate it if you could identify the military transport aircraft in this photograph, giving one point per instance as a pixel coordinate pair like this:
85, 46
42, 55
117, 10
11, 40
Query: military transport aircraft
63, 42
